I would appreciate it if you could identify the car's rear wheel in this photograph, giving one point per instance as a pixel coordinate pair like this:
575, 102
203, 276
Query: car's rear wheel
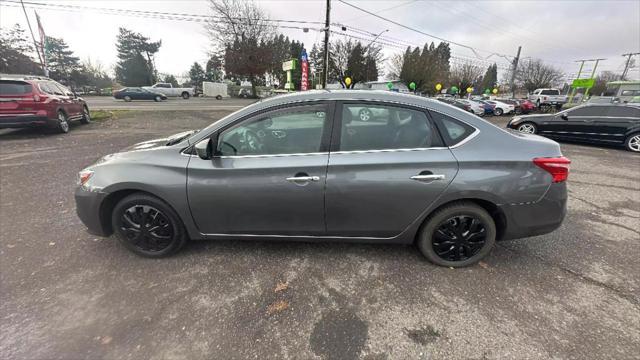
457, 235
158, 98
498, 112
147, 226
127, 98
527, 128
633, 142
185, 95
218, 97
86, 115
63, 123
364, 114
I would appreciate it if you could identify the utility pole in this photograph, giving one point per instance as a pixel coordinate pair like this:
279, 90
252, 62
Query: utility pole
573, 90
513, 74
626, 67
327, 30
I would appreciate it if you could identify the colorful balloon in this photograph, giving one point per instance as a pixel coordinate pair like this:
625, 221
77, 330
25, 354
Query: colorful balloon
389, 85
487, 91
495, 91
469, 90
454, 89
412, 85
438, 87
347, 81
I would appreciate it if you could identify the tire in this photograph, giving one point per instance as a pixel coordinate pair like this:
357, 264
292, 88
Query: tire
63, 123
365, 114
528, 128
127, 98
218, 97
158, 98
632, 143
498, 112
86, 115
185, 95
457, 216
538, 103
153, 244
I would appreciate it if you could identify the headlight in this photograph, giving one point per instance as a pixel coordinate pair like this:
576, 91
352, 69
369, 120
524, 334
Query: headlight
84, 176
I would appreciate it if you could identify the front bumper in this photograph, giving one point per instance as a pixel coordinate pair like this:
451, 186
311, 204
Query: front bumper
88, 204
23, 121
540, 217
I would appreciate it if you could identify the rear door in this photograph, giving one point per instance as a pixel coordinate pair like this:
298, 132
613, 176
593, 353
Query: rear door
268, 177
385, 172
616, 122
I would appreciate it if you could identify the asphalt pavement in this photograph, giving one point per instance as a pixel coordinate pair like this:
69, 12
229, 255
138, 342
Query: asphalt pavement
65, 294
171, 104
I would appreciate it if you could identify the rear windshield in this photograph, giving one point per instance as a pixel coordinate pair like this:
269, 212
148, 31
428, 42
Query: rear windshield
15, 88
550, 92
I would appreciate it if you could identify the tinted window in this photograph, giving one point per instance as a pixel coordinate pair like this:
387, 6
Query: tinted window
588, 111
61, 88
624, 111
15, 88
381, 127
630, 93
454, 130
288, 131
550, 92
163, 85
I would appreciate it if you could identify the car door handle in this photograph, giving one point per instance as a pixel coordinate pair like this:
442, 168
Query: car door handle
303, 178
429, 177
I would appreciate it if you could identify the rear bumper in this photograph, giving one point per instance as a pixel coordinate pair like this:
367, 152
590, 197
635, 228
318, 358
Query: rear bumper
22, 121
88, 205
540, 217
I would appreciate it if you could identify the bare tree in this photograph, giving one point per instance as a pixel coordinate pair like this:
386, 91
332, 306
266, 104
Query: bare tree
395, 66
233, 20
466, 75
534, 74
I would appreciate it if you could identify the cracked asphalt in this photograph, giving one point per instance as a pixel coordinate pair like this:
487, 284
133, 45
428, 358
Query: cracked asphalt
65, 294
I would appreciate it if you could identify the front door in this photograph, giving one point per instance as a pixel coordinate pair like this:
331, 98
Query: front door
383, 172
572, 124
268, 176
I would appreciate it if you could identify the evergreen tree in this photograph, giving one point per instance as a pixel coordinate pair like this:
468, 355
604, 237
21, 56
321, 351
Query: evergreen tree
16, 53
61, 62
135, 66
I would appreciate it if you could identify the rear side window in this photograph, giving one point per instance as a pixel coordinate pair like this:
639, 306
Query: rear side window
15, 88
367, 127
550, 92
50, 88
624, 111
453, 131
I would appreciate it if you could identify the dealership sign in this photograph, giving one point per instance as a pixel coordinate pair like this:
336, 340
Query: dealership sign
583, 83
304, 65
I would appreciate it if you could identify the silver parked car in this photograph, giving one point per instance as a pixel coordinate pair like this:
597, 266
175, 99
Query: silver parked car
306, 167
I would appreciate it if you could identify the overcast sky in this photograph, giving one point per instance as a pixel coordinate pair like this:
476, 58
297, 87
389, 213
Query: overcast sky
559, 32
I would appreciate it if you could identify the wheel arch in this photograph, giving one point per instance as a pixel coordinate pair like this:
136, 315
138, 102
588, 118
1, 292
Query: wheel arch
496, 213
109, 202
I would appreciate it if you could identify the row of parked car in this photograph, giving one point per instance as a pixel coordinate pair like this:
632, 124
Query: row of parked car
497, 107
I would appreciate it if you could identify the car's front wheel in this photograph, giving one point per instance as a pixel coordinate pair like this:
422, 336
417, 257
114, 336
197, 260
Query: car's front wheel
158, 98
148, 226
185, 95
127, 98
527, 128
457, 235
633, 142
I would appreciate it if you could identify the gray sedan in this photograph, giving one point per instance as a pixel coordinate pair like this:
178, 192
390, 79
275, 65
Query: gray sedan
306, 167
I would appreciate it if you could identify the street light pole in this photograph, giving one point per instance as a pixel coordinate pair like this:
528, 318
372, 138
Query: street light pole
366, 48
327, 29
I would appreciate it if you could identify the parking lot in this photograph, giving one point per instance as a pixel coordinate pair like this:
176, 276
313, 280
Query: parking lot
65, 294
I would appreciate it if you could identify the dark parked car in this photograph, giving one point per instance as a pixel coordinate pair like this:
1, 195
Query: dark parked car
306, 167
594, 123
33, 101
136, 93
456, 103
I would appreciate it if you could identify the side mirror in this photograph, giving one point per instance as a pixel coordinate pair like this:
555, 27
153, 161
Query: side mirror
203, 149
564, 117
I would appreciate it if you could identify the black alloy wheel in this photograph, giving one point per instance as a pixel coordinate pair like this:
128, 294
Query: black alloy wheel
148, 226
459, 238
458, 234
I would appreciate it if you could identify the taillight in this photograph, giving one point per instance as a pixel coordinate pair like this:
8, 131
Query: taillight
36, 98
558, 167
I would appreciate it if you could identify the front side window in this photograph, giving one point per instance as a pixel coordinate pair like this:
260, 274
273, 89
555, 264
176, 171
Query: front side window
588, 111
381, 127
295, 130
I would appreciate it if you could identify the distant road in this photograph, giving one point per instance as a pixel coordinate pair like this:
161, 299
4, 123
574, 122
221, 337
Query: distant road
172, 104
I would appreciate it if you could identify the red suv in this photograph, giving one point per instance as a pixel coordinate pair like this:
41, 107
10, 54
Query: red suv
30, 101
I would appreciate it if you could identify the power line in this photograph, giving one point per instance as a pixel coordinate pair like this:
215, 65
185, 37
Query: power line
427, 34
